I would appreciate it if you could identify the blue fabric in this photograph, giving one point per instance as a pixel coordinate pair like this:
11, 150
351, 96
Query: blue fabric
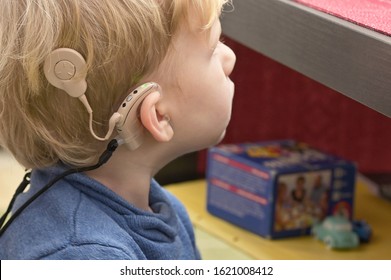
79, 218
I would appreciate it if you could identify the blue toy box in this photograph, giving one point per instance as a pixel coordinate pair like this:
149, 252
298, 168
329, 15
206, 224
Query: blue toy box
279, 188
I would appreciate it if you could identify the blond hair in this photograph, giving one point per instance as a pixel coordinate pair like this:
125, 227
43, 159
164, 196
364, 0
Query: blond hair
121, 40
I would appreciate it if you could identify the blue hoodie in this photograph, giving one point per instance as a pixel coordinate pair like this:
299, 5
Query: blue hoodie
79, 218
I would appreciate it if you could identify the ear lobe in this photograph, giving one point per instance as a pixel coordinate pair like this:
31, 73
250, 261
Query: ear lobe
154, 121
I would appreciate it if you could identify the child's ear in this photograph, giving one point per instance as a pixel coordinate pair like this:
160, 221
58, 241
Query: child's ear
156, 122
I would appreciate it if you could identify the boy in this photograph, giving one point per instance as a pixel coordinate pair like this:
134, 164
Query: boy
116, 211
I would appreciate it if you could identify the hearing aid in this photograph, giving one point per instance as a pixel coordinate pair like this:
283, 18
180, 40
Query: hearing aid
66, 69
129, 127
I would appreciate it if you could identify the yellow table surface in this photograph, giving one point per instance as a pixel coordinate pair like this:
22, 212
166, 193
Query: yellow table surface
376, 211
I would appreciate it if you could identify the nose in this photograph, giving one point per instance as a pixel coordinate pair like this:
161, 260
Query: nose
228, 59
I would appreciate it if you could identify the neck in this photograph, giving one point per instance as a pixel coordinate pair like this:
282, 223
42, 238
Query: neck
127, 175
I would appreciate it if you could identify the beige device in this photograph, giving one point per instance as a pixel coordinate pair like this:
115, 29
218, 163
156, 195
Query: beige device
66, 69
129, 126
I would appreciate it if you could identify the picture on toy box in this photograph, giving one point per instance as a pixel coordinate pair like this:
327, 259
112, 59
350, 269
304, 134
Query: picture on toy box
301, 199
278, 188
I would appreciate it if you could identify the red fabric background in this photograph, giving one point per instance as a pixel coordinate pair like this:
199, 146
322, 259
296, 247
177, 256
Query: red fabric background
373, 14
274, 102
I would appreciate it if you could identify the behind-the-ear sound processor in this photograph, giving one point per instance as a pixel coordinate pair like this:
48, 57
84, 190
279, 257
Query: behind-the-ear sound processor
66, 69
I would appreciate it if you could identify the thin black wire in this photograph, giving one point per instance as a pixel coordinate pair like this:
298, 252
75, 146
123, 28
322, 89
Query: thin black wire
111, 147
19, 190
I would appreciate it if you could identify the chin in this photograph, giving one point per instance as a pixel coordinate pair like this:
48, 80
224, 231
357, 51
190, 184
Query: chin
219, 138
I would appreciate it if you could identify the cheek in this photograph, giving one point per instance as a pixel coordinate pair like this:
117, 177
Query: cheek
217, 108
219, 117
206, 96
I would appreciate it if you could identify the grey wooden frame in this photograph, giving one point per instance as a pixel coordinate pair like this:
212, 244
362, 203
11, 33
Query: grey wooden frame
348, 58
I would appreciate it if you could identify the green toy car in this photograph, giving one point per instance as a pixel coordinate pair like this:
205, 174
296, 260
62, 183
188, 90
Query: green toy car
336, 232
